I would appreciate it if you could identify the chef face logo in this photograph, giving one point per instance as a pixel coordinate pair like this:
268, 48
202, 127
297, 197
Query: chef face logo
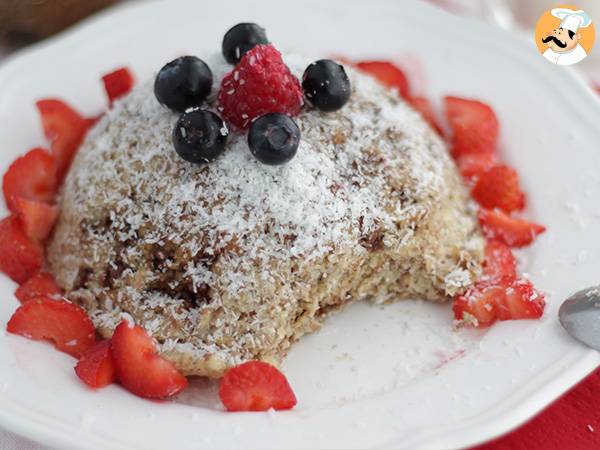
565, 35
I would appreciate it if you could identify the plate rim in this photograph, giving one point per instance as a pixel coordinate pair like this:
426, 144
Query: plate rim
580, 360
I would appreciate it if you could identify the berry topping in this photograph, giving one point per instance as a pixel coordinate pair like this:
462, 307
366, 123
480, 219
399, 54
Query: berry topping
139, 368
256, 386
240, 39
425, 108
273, 138
32, 177
507, 298
20, 257
41, 284
96, 367
513, 232
199, 136
65, 324
65, 128
326, 85
117, 84
498, 187
474, 126
37, 219
183, 83
261, 83
388, 74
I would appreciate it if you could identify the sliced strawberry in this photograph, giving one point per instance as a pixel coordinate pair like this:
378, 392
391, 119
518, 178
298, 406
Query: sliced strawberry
478, 305
472, 165
499, 261
521, 301
65, 128
59, 321
499, 187
256, 386
388, 74
32, 177
513, 232
505, 298
91, 121
474, 126
42, 284
139, 368
36, 218
20, 257
118, 83
96, 367
425, 108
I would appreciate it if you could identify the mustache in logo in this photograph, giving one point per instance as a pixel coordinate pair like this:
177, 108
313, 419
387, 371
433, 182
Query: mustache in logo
555, 40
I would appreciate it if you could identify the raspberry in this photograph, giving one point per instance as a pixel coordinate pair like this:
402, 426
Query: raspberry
261, 83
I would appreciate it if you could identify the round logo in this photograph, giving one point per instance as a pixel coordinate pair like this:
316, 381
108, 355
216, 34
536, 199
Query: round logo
565, 35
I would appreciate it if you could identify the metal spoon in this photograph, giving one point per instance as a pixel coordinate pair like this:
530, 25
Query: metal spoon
580, 316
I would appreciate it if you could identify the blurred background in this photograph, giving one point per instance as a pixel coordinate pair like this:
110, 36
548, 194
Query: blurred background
23, 22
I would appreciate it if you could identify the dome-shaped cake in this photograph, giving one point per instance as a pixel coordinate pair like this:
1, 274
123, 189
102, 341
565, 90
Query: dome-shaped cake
235, 260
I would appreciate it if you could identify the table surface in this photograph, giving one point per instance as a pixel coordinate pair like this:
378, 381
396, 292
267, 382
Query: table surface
571, 422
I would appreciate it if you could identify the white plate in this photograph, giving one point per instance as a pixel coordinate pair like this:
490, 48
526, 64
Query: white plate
373, 377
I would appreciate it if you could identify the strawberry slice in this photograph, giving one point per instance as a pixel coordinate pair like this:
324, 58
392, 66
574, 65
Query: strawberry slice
65, 128
42, 284
513, 232
20, 257
96, 367
32, 177
138, 366
499, 261
472, 165
474, 126
499, 187
36, 218
117, 84
425, 108
478, 305
521, 301
506, 298
388, 74
59, 321
256, 386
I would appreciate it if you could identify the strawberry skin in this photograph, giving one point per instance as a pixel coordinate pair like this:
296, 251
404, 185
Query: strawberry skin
59, 321
36, 218
256, 386
499, 187
474, 126
117, 84
32, 177
387, 74
499, 261
512, 232
65, 128
96, 367
41, 284
478, 305
20, 257
138, 366
425, 108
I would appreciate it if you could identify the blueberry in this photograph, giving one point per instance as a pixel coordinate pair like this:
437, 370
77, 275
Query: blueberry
273, 138
199, 136
326, 85
183, 83
241, 38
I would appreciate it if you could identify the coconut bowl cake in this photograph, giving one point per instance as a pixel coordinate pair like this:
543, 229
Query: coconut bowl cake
235, 260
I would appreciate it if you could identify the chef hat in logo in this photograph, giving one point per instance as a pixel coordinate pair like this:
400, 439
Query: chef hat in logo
572, 20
